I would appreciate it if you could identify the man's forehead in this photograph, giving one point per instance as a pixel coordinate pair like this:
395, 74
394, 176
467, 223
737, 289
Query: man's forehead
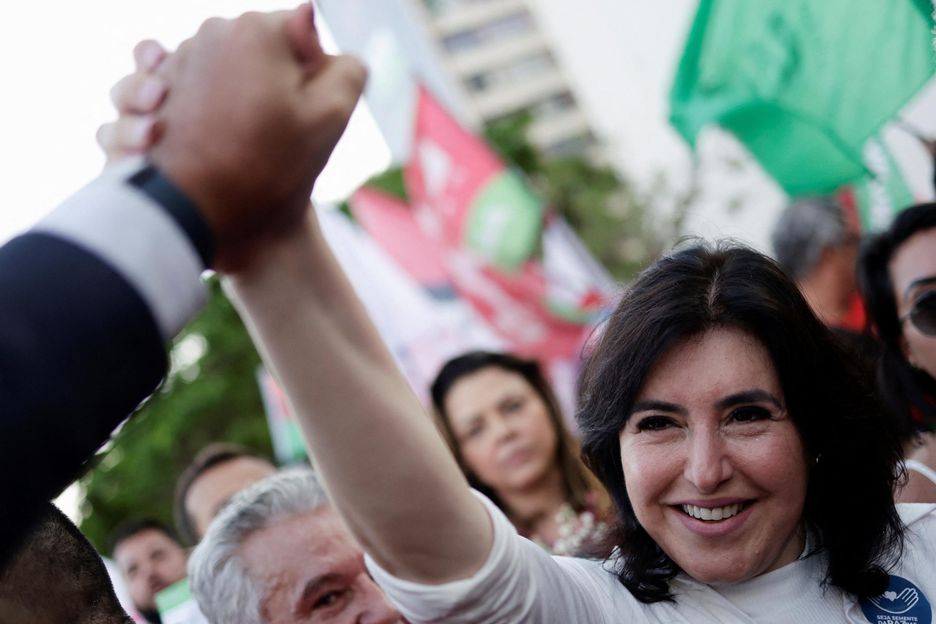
299, 552
306, 543
141, 543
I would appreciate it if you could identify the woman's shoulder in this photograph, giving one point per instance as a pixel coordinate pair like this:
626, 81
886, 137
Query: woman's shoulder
920, 544
915, 569
918, 513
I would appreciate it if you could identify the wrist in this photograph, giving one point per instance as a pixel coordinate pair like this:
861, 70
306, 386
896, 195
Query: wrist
179, 207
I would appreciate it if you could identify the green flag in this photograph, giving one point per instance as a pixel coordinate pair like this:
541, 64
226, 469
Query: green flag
802, 83
880, 196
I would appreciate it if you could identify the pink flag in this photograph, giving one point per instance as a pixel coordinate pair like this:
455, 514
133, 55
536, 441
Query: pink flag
390, 222
489, 226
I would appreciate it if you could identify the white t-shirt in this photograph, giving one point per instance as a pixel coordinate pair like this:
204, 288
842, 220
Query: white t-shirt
520, 582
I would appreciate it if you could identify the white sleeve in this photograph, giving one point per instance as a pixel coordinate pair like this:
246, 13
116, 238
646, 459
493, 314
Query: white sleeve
519, 582
121, 225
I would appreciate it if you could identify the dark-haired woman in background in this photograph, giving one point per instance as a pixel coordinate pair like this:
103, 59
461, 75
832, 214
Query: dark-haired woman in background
503, 424
897, 277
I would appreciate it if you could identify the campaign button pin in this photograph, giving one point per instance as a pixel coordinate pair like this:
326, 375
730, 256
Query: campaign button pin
902, 603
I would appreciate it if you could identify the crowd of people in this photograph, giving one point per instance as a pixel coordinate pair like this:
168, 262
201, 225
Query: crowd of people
735, 460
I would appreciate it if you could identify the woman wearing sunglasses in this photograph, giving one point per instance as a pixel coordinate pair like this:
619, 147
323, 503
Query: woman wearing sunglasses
897, 277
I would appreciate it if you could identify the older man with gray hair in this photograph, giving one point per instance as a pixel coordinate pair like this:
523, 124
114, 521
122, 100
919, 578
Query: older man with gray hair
818, 248
279, 553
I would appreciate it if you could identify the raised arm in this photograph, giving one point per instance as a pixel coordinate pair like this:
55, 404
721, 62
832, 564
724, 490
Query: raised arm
385, 465
89, 297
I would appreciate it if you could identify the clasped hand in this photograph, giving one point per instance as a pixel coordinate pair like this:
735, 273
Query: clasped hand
242, 117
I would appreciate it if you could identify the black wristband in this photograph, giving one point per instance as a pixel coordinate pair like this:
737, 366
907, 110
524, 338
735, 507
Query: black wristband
178, 206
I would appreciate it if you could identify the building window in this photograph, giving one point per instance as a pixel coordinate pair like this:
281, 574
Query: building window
478, 82
441, 7
573, 146
498, 30
554, 105
459, 42
522, 69
530, 66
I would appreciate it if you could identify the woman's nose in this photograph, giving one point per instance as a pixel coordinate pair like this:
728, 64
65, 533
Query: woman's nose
707, 464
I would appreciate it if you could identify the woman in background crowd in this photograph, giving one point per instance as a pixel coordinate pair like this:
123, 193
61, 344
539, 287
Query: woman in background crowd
503, 424
897, 274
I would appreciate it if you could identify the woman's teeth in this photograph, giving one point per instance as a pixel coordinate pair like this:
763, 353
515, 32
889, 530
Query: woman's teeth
712, 513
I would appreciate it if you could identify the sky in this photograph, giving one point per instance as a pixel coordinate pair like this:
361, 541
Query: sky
59, 60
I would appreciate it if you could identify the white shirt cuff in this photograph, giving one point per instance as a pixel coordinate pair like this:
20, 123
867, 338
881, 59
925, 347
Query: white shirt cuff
121, 225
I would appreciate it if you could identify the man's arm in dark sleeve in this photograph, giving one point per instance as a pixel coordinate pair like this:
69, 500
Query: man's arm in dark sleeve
88, 299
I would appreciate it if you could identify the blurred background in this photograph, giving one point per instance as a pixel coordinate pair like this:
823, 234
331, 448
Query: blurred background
513, 164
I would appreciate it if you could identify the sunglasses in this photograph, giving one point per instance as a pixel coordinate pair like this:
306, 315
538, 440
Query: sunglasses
923, 314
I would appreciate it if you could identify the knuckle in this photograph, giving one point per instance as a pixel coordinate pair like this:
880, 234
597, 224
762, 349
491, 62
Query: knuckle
104, 136
248, 23
118, 90
355, 72
251, 17
338, 105
213, 25
148, 54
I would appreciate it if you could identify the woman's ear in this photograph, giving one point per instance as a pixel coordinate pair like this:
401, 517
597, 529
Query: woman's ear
907, 352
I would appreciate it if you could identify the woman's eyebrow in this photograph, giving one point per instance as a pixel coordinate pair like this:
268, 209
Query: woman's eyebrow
652, 405
920, 281
749, 396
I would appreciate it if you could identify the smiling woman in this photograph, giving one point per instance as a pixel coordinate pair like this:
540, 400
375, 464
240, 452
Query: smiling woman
731, 389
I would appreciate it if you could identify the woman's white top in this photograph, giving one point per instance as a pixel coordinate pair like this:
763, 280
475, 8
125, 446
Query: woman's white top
921, 468
520, 582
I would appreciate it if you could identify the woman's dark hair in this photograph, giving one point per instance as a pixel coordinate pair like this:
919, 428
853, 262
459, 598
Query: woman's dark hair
849, 503
576, 480
903, 388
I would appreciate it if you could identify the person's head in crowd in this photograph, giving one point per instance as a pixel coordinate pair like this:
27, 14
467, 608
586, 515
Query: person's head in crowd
897, 271
502, 421
897, 276
216, 473
150, 558
717, 340
56, 577
817, 247
279, 553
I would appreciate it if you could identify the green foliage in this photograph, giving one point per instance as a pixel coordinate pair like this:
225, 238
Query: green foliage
211, 399
390, 182
508, 136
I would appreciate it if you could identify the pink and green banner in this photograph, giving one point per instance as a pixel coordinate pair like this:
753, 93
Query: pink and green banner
465, 194
492, 232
